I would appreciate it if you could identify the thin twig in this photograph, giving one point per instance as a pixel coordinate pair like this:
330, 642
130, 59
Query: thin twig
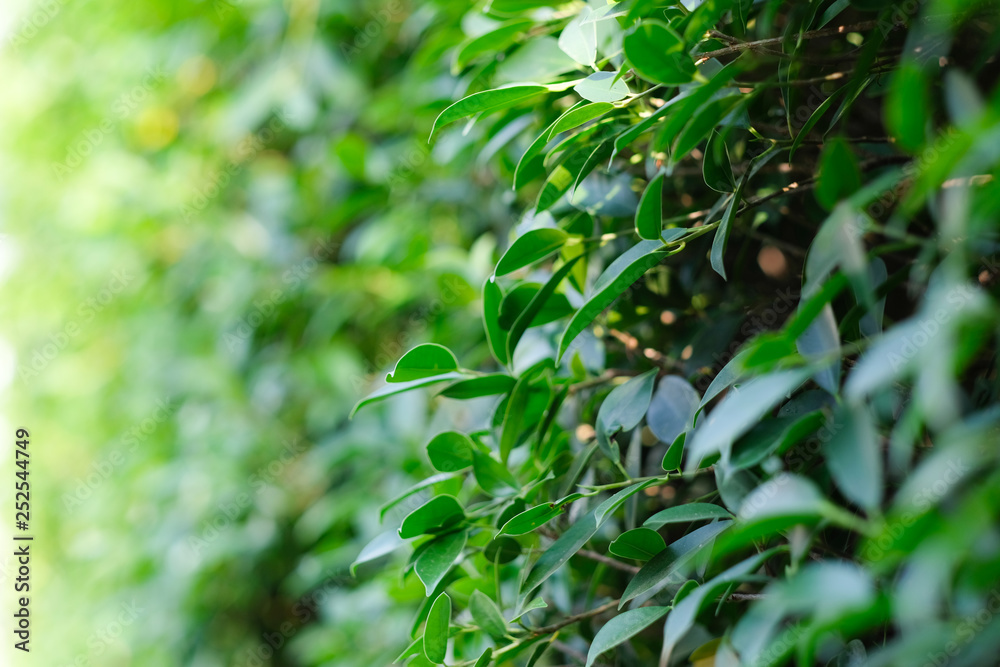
761, 43
570, 620
610, 562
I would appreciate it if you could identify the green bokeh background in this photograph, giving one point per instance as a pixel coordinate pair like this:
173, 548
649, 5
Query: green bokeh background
221, 223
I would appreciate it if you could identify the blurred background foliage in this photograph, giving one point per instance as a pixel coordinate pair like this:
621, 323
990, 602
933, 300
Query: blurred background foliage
201, 276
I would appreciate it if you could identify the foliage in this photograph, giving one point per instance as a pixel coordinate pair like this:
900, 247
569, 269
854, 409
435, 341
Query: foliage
734, 401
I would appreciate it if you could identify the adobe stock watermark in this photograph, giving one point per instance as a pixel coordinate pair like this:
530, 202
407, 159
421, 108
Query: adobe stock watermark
245, 151
123, 107
32, 24
292, 279
103, 469
101, 640
229, 512
86, 311
363, 37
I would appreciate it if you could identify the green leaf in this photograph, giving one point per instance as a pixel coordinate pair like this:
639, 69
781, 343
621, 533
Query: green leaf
489, 43
416, 488
672, 408
618, 277
530, 313
497, 337
486, 385
839, 243
623, 627
434, 516
814, 118
686, 513
450, 451
492, 476
639, 544
382, 545
854, 457
703, 123
659, 54
578, 39
532, 246
686, 610
623, 409
486, 102
485, 659
502, 550
577, 535
577, 116
649, 215
422, 362
611, 505
436, 630
602, 87
487, 615
839, 176
517, 300
394, 388
716, 166
537, 516
783, 496
670, 562
819, 341
742, 407
437, 557
773, 436
907, 107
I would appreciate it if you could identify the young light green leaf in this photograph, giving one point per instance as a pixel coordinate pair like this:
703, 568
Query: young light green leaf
436, 630
450, 451
659, 54
422, 362
434, 516
487, 615
672, 561
638, 544
624, 271
623, 627
686, 513
485, 102
649, 215
602, 87
437, 557
578, 39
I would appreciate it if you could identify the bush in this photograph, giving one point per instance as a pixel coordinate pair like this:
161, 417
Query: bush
734, 401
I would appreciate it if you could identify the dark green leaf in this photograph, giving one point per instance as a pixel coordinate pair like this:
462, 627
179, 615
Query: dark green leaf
659, 54
437, 514
532, 246
394, 388
638, 544
485, 102
436, 630
487, 615
839, 176
437, 557
450, 451
492, 476
623, 627
686, 513
649, 215
538, 302
486, 385
422, 362
612, 282
716, 166
497, 337
623, 409
907, 108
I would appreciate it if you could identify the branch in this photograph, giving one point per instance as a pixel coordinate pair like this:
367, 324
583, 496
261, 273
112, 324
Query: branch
570, 620
762, 43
